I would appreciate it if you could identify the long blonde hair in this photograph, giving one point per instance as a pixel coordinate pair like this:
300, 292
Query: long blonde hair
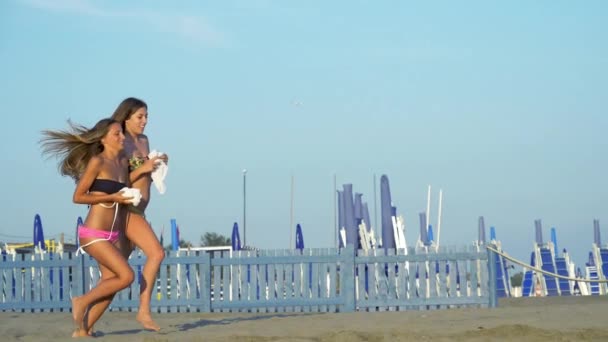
76, 146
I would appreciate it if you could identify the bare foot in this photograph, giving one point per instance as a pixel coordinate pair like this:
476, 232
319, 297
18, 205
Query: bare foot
146, 321
80, 333
78, 311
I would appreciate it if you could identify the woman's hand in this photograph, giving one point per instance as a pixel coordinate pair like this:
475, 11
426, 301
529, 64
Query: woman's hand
120, 198
165, 158
150, 164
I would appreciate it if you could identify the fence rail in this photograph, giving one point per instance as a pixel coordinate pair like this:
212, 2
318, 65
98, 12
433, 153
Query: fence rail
309, 280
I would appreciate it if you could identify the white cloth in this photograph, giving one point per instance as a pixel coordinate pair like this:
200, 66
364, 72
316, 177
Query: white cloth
159, 174
132, 192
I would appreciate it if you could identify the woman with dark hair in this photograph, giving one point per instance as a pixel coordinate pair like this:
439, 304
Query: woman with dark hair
93, 158
132, 113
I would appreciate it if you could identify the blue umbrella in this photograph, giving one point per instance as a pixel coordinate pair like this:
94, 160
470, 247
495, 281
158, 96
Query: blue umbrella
174, 235
368, 223
358, 209
236, 238
349, 215
388, 237
596, 232
78, 224
457, 277
300, 246
299, 237
554, 240
38, 233
430, 236
423, 228
539, 231
481, 234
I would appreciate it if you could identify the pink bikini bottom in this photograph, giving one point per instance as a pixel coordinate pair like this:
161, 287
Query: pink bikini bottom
86, 232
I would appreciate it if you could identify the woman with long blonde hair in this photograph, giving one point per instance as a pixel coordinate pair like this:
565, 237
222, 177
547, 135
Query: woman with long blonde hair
93, 158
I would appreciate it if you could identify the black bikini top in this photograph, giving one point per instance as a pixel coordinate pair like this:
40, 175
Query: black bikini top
106, 185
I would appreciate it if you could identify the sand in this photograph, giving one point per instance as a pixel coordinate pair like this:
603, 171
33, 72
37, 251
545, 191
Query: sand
518, 319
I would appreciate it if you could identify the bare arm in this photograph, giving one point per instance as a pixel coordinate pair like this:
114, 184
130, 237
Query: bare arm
149, 165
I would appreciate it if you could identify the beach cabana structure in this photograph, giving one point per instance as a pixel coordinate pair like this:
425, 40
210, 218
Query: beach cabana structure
592, 273
546, 257
528, 282
564, 267
503, 281
597, 266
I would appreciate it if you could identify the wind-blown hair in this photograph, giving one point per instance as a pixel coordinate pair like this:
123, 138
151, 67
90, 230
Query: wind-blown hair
126, 108
76, 146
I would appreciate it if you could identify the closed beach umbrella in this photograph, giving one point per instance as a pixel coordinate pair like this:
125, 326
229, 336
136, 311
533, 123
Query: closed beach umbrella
349, 215
482, 231
423, 229
38, 233
368, 223
299, 237
430, 236
358, 209
174, 235
236, 238
78, 224
388, 237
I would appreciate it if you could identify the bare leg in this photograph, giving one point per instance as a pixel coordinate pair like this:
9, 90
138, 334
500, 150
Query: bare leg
107, 256
141, 234
98, 308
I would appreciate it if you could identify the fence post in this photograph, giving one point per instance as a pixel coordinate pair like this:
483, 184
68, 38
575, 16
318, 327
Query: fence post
205, 273
78, 277
492, 278
347, 278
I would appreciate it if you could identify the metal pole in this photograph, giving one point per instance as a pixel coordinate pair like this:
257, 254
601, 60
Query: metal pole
439, 217
291, 223
244, 207
493, 300
428, 209
336, 229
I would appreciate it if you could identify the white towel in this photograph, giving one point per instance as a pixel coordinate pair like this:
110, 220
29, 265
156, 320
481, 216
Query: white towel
159, 174
132, 192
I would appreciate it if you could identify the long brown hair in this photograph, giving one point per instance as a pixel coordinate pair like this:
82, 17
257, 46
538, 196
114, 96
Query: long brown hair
76, 146
126, 108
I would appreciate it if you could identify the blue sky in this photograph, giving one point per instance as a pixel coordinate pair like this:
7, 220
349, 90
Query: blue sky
500, 104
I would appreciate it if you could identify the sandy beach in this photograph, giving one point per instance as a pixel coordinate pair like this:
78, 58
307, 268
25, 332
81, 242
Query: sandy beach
519, 319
